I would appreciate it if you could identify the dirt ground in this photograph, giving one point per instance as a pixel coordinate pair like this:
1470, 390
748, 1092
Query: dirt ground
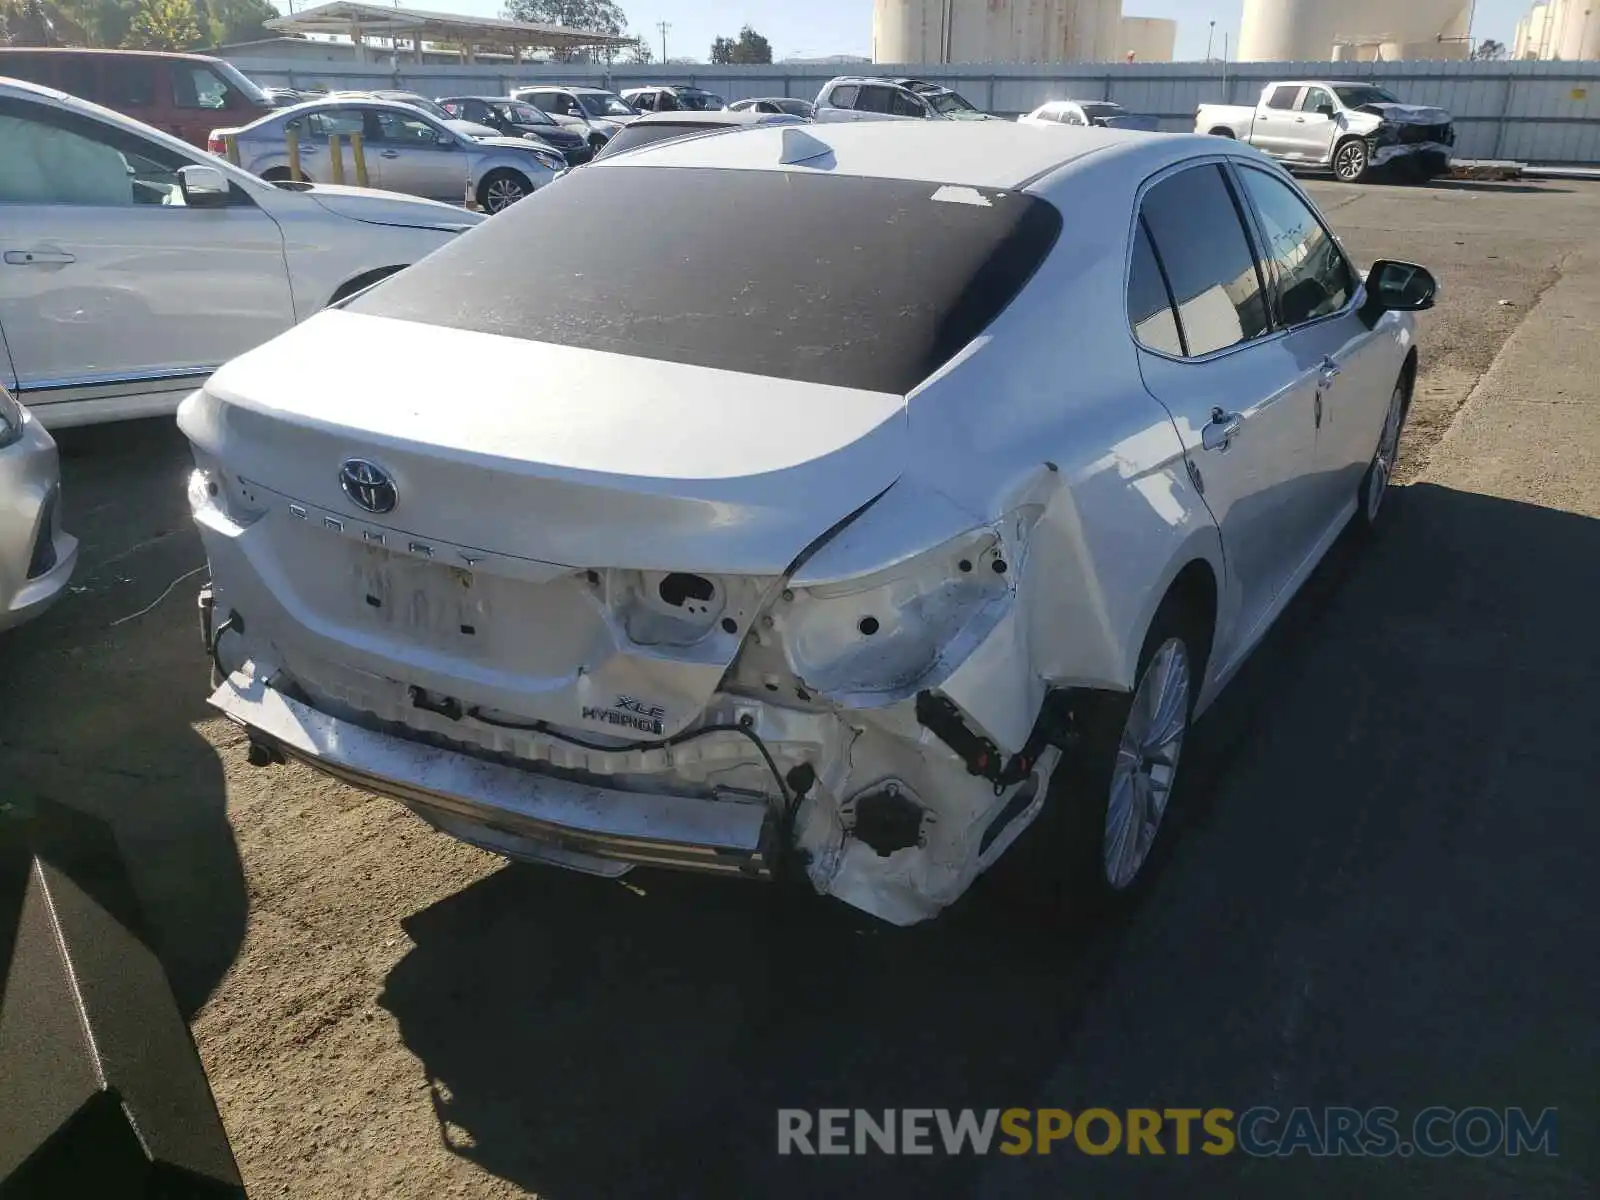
1384, 898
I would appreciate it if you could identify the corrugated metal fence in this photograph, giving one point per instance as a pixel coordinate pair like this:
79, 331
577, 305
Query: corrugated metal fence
1534, 112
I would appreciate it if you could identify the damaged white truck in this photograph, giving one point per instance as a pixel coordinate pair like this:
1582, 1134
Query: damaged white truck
1347, 128
874, 518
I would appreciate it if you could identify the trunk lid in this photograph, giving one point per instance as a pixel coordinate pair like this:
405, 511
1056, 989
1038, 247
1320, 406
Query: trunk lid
573, 536
576, 457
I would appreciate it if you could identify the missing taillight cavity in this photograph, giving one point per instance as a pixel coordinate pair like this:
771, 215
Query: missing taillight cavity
678, 589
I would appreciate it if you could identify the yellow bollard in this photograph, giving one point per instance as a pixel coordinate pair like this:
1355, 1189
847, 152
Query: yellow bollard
358, 151
230, 148
291, 139
335, 159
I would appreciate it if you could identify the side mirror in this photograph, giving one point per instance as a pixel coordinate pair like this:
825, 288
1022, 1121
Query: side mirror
204, 187
1400, 287
1327, 110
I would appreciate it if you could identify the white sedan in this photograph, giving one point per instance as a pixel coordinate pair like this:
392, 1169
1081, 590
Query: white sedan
820, 552
133, 263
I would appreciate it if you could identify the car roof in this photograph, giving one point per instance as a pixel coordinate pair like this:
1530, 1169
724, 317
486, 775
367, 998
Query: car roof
992, 154
718, 116
344, 101
108, 50
565, 87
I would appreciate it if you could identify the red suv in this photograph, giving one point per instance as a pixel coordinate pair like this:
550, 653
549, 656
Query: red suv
180, 94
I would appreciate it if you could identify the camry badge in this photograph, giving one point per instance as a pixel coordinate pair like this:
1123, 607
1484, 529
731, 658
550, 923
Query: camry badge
367, 484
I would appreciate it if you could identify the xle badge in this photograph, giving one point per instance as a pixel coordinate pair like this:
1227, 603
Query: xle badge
629, 713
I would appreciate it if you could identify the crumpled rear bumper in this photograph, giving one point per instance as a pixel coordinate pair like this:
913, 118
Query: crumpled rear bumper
510, 811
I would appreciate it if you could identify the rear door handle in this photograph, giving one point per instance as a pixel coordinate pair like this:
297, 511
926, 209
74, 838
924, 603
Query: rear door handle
1224, 427
38, 258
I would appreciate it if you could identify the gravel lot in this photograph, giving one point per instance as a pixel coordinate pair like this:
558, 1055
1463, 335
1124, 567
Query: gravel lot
1383, 892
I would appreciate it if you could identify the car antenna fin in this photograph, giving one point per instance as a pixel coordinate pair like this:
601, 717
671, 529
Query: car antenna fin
800, 147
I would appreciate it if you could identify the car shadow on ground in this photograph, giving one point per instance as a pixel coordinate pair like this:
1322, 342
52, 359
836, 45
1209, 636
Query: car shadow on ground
1347, 826
99, 704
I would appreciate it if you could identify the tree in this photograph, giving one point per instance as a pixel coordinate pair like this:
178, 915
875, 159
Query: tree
600, 16
229, 21
748, 47
164, 25
28, 23
639, 52
1489, 50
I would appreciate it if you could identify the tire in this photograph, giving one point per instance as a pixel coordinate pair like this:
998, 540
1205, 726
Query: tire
1076, 860
1374, 488
1352, 161
501, 188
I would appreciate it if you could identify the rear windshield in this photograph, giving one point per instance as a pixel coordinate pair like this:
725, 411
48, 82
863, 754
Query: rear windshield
631, 137
840, 280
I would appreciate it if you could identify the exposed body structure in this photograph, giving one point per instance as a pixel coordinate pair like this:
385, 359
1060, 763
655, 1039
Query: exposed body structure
784, 579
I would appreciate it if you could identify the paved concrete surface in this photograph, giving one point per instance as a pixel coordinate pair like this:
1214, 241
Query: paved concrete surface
1381, 891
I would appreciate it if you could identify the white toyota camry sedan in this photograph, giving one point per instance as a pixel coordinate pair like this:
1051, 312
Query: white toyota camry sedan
858, 552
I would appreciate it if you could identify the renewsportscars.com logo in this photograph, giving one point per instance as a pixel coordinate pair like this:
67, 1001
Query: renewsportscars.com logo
1261, 1132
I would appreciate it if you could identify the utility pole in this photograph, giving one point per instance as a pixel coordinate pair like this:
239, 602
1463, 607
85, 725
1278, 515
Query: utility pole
1210, 40
663, 26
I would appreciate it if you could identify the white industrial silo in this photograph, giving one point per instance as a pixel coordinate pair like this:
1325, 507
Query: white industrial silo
1569, 31
1310, 30
994, 31
1148, 39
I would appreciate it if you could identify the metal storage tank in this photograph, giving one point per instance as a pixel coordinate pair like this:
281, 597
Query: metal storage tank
1560, 29
1148, 39
1309, 30
994, 31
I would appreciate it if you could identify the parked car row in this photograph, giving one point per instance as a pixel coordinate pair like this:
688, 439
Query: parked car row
224, 259
406, 150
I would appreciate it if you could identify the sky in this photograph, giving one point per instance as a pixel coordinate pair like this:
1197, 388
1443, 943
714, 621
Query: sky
820, 27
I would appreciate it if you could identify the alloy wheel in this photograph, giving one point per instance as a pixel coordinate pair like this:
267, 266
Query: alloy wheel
502, 193
1147, 763
1352, 162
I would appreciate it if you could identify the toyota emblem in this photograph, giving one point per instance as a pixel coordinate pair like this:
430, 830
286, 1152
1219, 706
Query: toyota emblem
367, 484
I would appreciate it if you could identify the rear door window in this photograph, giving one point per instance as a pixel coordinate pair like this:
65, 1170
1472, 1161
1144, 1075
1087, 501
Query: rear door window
850, 295
129, 82
903, 105
1199, 239
1283, 98
79, 75
844, 96
876, 99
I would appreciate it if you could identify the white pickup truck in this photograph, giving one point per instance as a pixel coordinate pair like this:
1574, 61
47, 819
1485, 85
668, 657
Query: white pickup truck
1348, 128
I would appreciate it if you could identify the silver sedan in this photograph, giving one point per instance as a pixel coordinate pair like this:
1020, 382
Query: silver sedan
36, 556
406, 150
